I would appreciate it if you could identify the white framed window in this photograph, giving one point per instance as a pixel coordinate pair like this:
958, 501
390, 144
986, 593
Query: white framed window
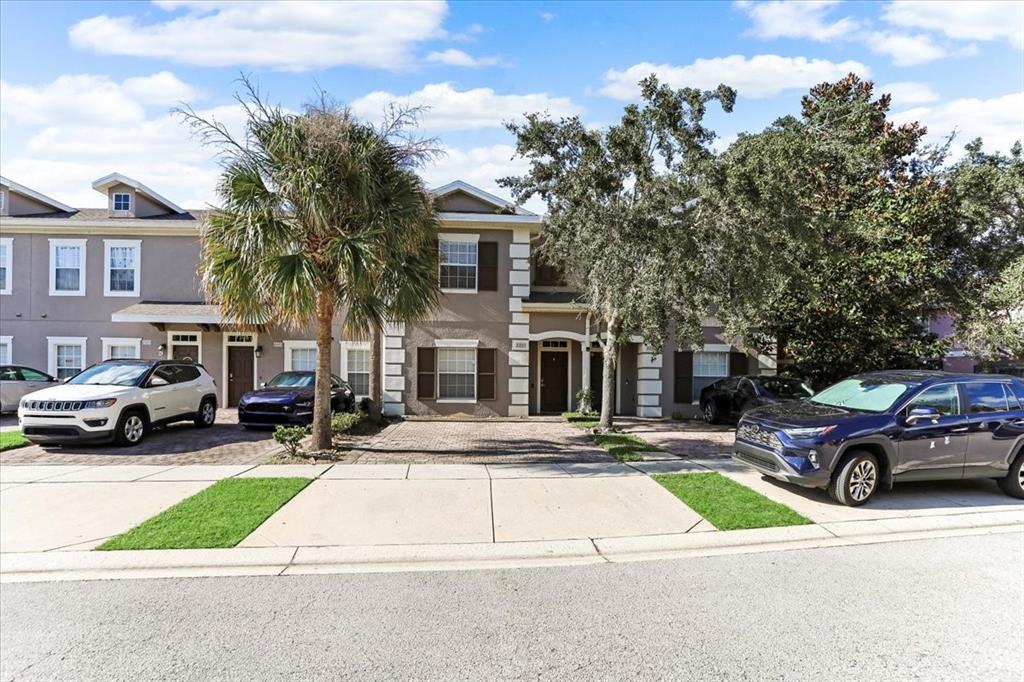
6, 350
6, 260
459, 262
708, 367
67, 267
185, 346
357, 361
65, 355
121, 348
121, 267
300, 356
122, 201
456, 374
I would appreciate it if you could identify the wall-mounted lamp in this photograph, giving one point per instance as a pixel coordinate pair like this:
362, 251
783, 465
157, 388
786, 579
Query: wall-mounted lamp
258, 351
161, 349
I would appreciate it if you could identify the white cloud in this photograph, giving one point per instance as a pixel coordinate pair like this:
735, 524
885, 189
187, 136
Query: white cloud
548, 17
905, 49
908, 92
452, 57
997, 121
451, 109
764, 75
295, 36
975, 20
89, 98
779, 19
481, 167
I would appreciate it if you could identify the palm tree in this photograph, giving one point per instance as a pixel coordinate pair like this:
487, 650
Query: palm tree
309, 209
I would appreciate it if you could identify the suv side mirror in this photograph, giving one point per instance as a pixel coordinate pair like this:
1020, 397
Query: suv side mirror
157, 381
923, 414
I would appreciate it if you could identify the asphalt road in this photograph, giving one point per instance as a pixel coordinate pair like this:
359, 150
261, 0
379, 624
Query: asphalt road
948, 609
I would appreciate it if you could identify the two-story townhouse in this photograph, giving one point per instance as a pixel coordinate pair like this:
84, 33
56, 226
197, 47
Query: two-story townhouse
81, 285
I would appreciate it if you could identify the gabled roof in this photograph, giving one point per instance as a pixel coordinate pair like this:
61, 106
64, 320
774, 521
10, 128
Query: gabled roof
487, 197
32, 194
106, 182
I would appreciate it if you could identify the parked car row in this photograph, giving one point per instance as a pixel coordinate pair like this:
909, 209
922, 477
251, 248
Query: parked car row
121, 400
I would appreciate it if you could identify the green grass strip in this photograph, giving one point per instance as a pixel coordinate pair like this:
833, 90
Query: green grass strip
219, 516
12, 439
624, 447
581, 419
727, 504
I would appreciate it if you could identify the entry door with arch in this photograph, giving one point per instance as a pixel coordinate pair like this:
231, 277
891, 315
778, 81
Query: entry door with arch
554, 376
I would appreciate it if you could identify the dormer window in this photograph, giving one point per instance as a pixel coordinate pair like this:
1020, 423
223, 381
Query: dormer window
122, 202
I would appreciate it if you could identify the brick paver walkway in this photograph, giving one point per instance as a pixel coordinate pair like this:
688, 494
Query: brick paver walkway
223, 443
683, 438
480, 441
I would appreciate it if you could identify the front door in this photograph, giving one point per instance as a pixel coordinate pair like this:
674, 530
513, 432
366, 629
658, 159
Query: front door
597, 377
554, 381
240, 372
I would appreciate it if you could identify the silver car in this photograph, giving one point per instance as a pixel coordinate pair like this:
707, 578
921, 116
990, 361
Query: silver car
17, 381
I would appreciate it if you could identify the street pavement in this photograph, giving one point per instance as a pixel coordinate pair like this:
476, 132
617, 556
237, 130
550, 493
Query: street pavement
938, 609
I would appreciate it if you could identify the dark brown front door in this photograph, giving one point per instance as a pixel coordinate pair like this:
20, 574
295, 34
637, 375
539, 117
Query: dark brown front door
240, 371
597, 378
186, 351
554, 381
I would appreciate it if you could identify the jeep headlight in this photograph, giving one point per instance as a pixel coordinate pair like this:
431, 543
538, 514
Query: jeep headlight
98, 404
808, 433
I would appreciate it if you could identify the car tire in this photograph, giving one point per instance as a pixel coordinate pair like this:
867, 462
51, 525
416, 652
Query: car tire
710, 413
856, 480
1013, 483
131, 428
207, 413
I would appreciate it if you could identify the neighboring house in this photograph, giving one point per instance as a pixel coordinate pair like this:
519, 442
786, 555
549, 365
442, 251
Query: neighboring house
958, 359
81, 285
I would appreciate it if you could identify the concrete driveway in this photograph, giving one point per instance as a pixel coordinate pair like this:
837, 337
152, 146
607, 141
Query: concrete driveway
223, 443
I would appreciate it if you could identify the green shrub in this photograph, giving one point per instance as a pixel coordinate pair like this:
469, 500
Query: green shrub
291, 438
343, 422
364, 405
585, 400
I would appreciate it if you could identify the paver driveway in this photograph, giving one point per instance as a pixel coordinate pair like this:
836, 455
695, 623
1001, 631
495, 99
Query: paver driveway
223, 443
480, 441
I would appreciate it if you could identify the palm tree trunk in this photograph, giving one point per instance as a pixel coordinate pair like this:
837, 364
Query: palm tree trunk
608, 388
322, 390
376, 337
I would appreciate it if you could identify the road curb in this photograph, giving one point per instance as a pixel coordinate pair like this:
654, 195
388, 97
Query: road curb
250, 561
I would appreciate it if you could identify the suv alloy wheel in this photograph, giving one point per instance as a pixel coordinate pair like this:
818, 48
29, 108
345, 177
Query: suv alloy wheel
856, 480
1013, 483
131, 428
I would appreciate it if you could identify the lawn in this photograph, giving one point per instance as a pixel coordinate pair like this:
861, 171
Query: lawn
624, 447
219, 516
727, 504
583, 420
11, 439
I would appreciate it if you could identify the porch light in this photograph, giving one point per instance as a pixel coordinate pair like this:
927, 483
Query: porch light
162, 348
258, 351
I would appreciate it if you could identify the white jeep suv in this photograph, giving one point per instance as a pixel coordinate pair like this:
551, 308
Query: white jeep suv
119, 400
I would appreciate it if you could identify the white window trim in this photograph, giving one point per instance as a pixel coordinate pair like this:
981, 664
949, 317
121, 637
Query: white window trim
51, 350
8, 244
438, 373
80, 243
108, 341
456, 343
289, 346
9, 342
108, 244
346, 346
113, 202
225, 343
171, 343
470, 237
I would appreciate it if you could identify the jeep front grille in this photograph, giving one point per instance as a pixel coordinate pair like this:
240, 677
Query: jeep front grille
54, 405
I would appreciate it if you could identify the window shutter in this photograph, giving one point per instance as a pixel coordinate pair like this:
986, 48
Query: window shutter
738, 364
485, 379
487, 253
683, 376
425, 372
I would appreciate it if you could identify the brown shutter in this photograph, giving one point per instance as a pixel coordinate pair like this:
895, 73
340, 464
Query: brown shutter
485, 380
487, 253
425, 371
684, 376
738, 364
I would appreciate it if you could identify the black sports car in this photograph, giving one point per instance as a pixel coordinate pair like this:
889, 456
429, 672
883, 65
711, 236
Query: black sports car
728, 399
288, 399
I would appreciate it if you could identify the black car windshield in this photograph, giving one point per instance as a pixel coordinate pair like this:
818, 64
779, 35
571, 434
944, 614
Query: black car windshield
293, 380
787, 389
109, 374
862, 394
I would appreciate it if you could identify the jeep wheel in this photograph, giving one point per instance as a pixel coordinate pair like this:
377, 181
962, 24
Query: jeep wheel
131, 428
207, 414
1013, 483
856, 480
710, 413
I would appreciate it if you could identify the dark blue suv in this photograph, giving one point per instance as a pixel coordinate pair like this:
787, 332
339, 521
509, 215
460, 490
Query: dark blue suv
880, 428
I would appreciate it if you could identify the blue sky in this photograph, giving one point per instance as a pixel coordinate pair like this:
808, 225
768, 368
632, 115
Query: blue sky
87, 86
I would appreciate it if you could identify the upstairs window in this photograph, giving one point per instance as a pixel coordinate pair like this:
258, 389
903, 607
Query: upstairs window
6, 247
459, 260
121, 267
122, 202
67, 267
